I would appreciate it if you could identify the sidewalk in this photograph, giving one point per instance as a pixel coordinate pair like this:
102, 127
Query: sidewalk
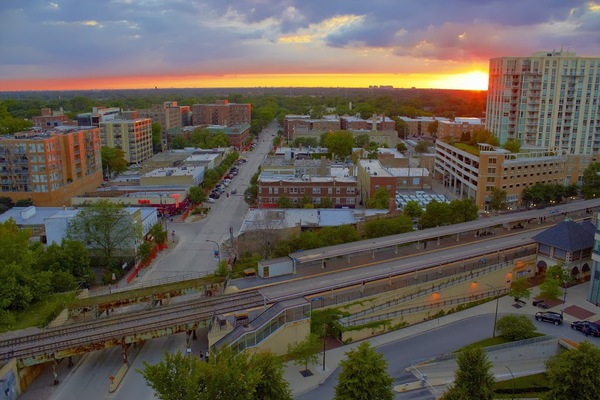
575, 308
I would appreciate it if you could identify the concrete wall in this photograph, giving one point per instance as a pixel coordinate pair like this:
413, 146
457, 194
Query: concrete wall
278, 342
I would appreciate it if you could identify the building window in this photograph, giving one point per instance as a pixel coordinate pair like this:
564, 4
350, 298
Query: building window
492, 160
338, 190
316, 190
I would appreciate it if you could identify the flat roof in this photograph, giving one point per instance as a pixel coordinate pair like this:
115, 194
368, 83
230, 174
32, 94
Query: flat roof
174, 171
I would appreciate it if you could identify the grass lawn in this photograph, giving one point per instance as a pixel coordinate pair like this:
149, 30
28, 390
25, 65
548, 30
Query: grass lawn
468, 148
531, 386
40, 314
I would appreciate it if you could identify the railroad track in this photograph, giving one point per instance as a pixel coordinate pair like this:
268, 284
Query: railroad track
116, 328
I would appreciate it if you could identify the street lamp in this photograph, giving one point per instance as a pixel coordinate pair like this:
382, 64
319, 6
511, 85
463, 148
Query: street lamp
218, 251
564, 299
513, 382
496, 315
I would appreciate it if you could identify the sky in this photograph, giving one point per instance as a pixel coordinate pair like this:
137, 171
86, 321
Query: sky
112, 44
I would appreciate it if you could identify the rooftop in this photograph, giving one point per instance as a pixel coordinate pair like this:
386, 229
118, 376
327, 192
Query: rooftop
174, 171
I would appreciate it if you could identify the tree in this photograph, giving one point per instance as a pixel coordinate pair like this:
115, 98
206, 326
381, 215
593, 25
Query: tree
498, 199
113, 160
550, 288
380, 199
306, 141
326, 202
436, 214
106, 227
483, 136
361, 140
388, 226
364, 376
156, 137
512, 145
401, 147
432, 128
196, 195
422, 146
284, 202
519, 289
413, 209
178, 142
515, 327
573, 374
272, 385
472, 378
227, 376
71, 257
590, 187
339, 143
6, 203
305, 352
464, 210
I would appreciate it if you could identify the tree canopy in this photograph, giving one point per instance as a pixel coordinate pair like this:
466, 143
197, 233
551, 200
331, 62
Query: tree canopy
113, 160
515, 327
106, 227
380, 199
339, 143
591, 181
498, 199
364, 376
472, 378
573, 374
226, 376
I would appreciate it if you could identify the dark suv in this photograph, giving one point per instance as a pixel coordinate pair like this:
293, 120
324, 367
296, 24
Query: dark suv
587, 327
549, 316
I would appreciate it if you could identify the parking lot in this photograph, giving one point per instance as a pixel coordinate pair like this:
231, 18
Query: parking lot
420, 197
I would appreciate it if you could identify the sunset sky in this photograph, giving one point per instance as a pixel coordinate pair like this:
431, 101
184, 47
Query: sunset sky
105, 44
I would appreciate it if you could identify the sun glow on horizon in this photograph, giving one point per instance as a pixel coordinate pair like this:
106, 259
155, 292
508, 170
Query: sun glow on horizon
474, 80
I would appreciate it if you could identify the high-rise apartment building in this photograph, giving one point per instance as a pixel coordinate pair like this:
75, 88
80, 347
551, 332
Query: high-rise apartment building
222, 113
549, 99
50, 167
133, 136
169, 116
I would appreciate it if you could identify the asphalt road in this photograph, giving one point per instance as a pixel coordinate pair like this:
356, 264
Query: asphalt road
89, 377
403, 353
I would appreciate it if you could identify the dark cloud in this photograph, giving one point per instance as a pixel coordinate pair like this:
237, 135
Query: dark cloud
63, 38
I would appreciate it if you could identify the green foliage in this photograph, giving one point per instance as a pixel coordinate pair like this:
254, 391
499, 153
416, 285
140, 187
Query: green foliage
464, 210
71, 258
550, 287
515, 327
401, 147
178, 142
339, 143
9, 124
284, 202
24, 203
145, 251
591, 181
512, 145
364, 375
113, 160
472, 378
413, 209
227, 376
196, 195
432, 127
544, 193
519, 288
106, 227
498, 199
6, 203
573, 374
380, 199
436, 214
388, 226
158, 233
361, 140
326, 321
306, 351
305, 141
422, 146
156, 137
326, 202
483, 136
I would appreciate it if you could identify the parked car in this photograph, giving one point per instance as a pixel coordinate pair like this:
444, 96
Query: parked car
210, 200
549, 316
214, 196
587, 327
234, 191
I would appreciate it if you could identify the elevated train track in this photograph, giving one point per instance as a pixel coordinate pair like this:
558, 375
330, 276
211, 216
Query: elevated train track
123, 329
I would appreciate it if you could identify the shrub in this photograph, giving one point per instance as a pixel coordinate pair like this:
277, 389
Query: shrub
515, 327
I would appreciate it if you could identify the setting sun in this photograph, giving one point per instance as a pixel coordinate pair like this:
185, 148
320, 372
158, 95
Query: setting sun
474, 80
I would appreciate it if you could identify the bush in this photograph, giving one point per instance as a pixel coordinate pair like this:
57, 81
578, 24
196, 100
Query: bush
515, 327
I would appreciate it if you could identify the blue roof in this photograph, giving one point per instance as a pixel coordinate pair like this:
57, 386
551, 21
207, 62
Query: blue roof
568, 235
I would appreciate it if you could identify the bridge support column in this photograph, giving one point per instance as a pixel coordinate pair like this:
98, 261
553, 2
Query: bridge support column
348, 259
332, 297
54, 372
418, 245
438, 241
458, 237
124, 351
188, 336
396, 250
194, 335
70, 364
373, 254
390, 280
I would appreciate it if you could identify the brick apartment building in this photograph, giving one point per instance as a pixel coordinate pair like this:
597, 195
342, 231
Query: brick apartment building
169, 116
133, 136
50, 119
461, 125
52, 166
221, 113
